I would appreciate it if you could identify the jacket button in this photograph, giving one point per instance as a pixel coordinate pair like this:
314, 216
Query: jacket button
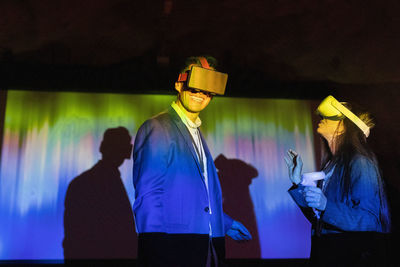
206, 209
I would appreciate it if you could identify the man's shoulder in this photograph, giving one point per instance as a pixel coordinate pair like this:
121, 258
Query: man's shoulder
160, 121
161, 118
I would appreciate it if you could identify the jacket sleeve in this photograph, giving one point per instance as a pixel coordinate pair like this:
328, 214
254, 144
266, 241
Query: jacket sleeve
296, 192
360, 211
228, 221
150, 157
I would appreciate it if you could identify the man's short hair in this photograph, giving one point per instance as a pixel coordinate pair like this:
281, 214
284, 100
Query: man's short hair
212, 62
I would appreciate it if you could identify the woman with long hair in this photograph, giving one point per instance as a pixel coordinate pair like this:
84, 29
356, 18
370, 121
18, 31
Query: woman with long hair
347, 207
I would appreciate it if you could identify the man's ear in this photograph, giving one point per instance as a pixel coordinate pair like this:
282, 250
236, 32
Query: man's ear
179, 86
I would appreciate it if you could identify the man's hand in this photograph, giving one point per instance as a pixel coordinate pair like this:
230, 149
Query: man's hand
315, 198
295, 165
238, 232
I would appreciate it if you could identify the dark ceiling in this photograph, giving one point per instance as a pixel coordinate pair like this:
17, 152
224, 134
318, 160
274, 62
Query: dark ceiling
51, 43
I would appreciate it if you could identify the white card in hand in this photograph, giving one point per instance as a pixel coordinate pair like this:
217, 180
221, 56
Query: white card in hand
311, 178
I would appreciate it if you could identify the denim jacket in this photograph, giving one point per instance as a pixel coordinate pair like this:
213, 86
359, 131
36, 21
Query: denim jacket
359, 210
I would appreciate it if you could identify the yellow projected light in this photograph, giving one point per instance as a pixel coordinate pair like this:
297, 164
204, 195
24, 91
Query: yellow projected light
332, 109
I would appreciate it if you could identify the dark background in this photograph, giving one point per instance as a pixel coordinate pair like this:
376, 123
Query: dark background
276, 48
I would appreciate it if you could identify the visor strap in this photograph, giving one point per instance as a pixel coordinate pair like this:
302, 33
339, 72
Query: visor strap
182, 77
351, 116
204, 63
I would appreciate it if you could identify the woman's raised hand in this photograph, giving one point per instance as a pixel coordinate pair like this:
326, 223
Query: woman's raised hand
295, 166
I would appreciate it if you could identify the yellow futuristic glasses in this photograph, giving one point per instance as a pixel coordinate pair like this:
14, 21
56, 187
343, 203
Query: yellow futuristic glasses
332, 109
205, 79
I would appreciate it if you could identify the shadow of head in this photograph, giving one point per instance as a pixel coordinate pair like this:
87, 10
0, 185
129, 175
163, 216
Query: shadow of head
116, 146
235, 169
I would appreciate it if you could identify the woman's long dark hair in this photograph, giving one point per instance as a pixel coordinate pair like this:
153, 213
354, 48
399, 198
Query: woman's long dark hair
348, 145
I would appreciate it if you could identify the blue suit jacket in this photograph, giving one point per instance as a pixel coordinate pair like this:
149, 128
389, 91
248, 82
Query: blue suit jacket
360, 211
170, 192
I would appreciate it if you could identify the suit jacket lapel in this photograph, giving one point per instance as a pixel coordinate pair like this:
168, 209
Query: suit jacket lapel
185, 134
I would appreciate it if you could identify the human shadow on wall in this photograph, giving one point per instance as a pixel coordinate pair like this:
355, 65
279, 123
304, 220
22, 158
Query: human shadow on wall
236, 176
98, 218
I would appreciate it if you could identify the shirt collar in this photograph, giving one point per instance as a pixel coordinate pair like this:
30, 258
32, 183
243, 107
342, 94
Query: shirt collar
184, 118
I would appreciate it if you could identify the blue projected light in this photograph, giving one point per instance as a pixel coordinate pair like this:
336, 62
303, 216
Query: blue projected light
50, 138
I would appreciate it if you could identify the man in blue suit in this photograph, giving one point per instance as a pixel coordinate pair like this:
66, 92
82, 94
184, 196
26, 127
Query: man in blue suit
178, 201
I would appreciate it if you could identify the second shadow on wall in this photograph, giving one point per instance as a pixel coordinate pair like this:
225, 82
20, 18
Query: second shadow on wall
236, 176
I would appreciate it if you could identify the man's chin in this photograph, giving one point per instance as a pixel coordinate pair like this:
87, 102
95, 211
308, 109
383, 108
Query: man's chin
193, 109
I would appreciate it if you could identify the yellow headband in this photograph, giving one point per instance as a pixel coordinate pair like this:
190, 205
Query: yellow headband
330, 107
